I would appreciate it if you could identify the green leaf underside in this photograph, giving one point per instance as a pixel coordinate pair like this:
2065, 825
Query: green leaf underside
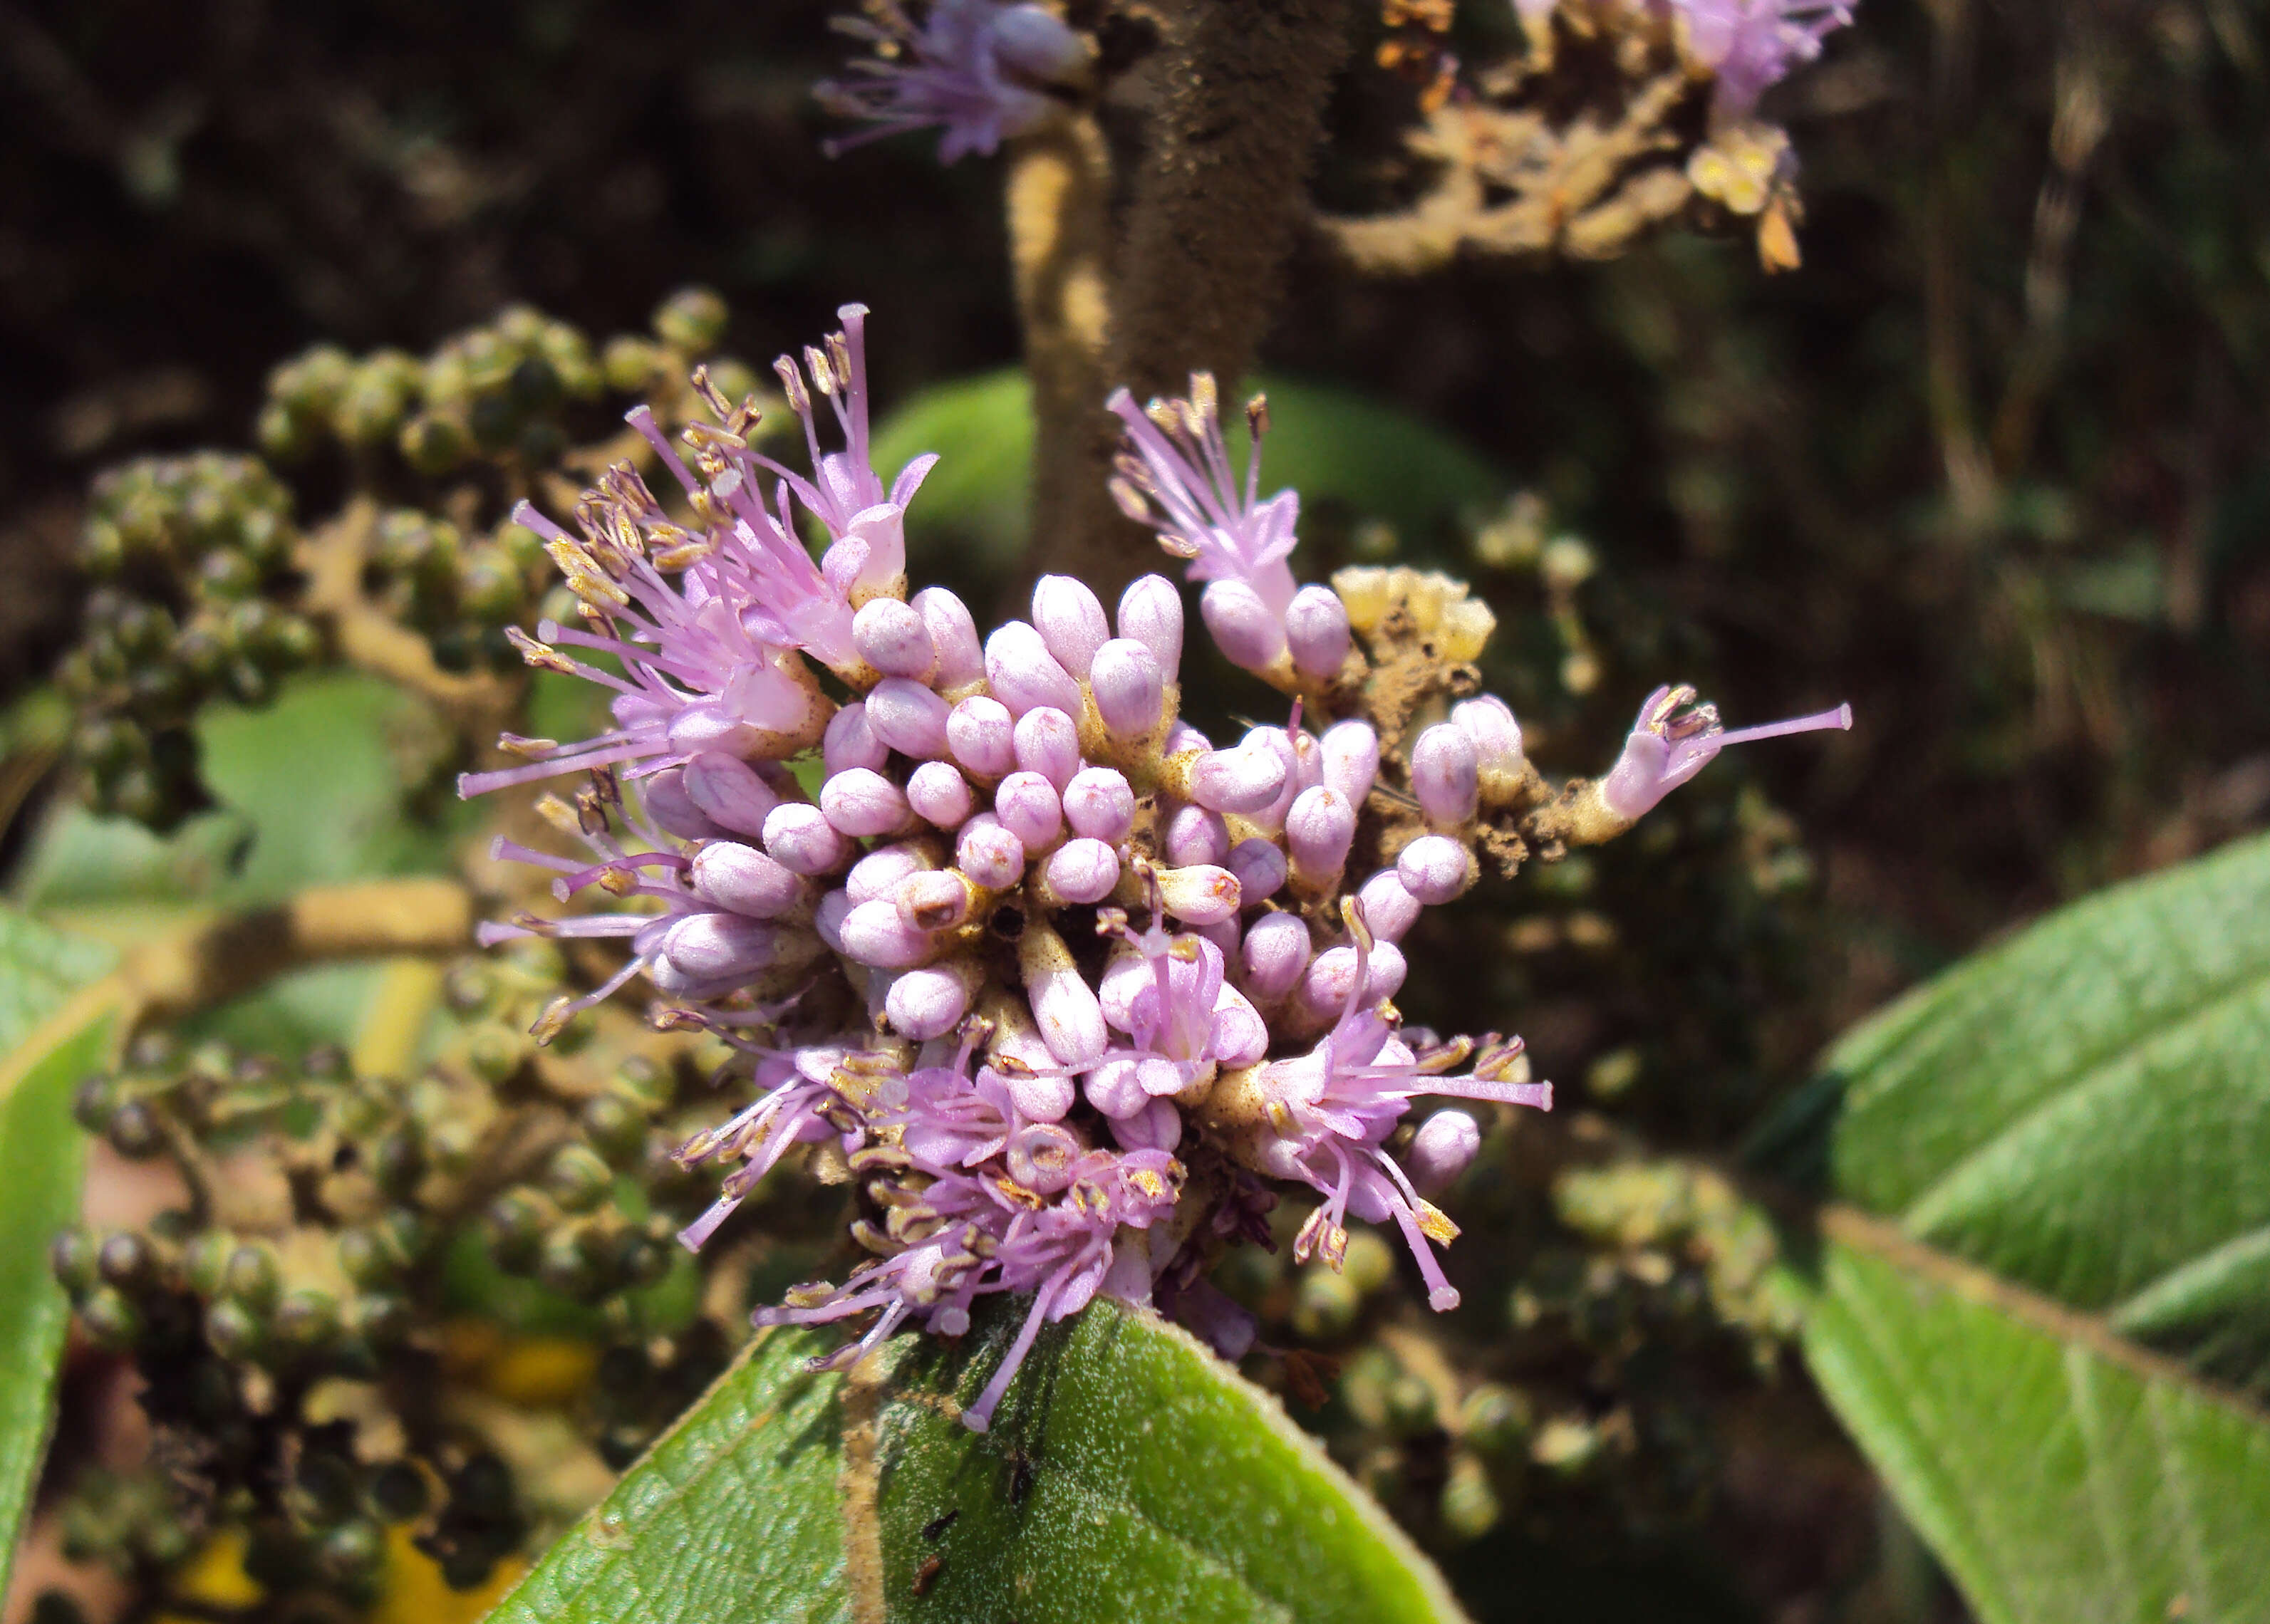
2085, 1110
1126, 1471
311, 791
41, 1152
2053, 1336
2058, 1483
39, 968
1331, 445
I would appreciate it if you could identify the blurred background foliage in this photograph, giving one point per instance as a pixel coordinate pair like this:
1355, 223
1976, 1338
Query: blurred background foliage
1989, 466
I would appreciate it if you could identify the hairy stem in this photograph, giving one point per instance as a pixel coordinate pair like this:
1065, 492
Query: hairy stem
1059, 230
1215, 211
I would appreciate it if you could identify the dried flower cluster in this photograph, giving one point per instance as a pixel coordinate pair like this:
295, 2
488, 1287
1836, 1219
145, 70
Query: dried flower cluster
1067, 986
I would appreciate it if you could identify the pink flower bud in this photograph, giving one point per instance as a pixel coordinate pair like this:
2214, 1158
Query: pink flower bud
1040, 1156
799, 838
989, 854
983, 736
1302, 761
851, 741
670, 809
744, 880
1040, 1096
1082, 870
862, 804
728, 792
1064, 1004
1157, 1126
929, 1001
1446, 776
1240, 1036
1116, 1089
827, 919
934, 900
874, 934
1100, 804
892, 638
940, 794
1249, 633
1047, 742
1202, 894
1434, 869
1324, 989
907, 717
954, 634
1195, 834
1151, 612
1442, 1148
1029, 808
1350, 751
1131, 694
1276, 951
1317, 833
713, 947
1259, 866
1034, 43
1024, 675
1244, 780
880, 870
1390, 910
1488, 721
1317, 632
1069, 620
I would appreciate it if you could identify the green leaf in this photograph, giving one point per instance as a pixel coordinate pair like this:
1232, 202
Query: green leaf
313, 790
2060, 1474
1330, 444
51, 1044
2057, 1347
1126, 1464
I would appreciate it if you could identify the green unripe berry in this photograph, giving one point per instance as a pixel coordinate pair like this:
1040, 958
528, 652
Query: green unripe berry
364, 1259
1325, 1305
71, 1256
1470, 1507
133, 1131
380, 1319
691, 320
434, 444
643, 1084
578, 1179
633, 365
126, 1260
110, 1319
252, 1276
398, 1492
307, 1319
732, 379
205, 1262
1494, 1420
355, 1550
615, 1128
94, 1101
515, 1223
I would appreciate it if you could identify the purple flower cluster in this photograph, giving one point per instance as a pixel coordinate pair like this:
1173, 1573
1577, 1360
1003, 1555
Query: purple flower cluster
1746, 45
977, 70
1069, 986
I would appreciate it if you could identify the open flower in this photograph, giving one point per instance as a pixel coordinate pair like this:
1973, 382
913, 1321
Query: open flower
977, 70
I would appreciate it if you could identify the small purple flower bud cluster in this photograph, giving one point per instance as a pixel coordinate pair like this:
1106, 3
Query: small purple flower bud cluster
1068, 985
977, 70
1747, 45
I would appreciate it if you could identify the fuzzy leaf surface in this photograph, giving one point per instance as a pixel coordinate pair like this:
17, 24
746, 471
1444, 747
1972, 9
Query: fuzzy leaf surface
2058, 1355
1126, 1462
41, 1152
